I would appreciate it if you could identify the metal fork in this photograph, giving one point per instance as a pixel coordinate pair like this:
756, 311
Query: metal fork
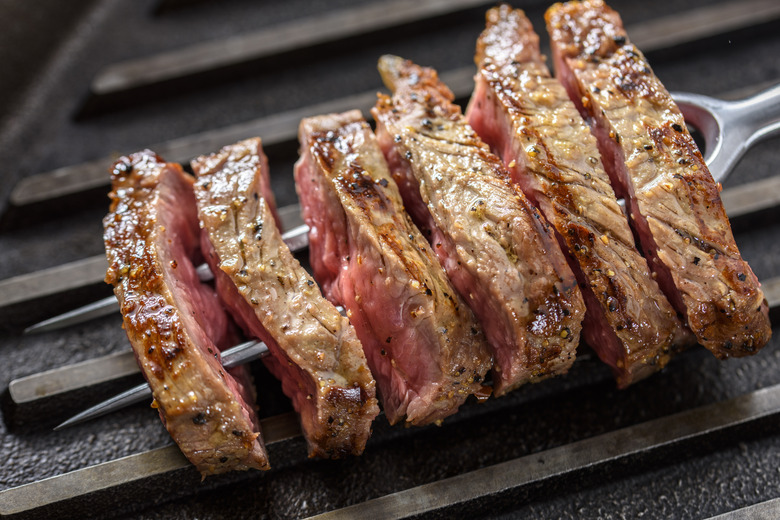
296, 239
729, 129
234, 356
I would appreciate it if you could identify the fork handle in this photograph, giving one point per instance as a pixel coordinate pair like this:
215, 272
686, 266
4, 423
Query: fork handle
744, 123
759, 115
730, 128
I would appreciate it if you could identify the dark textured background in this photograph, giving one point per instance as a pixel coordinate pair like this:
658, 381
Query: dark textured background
49, 52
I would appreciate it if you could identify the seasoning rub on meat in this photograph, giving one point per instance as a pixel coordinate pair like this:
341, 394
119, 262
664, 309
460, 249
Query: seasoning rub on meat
175, 323
422, 342
654, 163
526, 116
498, 250
314, 350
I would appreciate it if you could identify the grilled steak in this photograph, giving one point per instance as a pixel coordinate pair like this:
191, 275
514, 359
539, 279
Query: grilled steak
498, 250
654, 163
315, 351
422, 342
176, 324
526, 116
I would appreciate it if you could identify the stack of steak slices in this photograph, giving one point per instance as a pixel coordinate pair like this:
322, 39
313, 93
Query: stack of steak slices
422, 342
526, 116
314, 349
498, 250
484, 281
655, 165
176, 324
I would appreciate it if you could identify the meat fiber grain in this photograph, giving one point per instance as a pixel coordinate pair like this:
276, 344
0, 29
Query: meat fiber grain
526, 116
654, 163
423, 344
498, 250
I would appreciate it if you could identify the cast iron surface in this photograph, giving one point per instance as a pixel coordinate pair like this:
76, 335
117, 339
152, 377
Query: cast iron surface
39, 132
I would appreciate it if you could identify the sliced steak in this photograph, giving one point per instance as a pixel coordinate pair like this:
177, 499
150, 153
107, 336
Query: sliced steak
498, 250
526, 116
175, 323
314, 349
422, 342
654, 163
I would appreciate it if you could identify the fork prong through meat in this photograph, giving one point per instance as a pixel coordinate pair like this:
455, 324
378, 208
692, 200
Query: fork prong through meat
498, 250
526, 116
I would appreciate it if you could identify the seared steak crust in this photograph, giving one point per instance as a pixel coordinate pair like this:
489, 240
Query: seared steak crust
498, 250
176, 324
315, 351
422, 342
526, 116
653, 162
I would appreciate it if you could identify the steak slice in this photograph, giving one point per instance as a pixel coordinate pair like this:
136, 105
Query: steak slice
424, 345
654, 163
526, 116
314, 349
175, 323
498, 250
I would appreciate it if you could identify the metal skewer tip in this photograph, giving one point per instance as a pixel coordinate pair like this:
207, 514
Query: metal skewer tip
238, 355
98, 309
126, 398
296, 239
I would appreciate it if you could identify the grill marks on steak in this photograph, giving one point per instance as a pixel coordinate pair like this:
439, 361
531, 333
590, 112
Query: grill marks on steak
315, 351
422, 342
176, 324
498, 250
526, 116
653, 162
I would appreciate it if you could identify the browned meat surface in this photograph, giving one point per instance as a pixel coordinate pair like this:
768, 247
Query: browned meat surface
652, 161
422, 342
315, 351
498, 250
176, 325
526, 116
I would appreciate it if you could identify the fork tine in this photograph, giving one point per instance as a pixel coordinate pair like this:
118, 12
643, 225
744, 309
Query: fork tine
296, 239
238, 355
119, 401
97, 309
